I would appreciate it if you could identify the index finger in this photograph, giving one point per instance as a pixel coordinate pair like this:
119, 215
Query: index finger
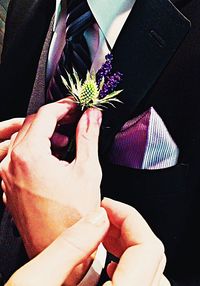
124, 216
46, 119
139, 249
10, 126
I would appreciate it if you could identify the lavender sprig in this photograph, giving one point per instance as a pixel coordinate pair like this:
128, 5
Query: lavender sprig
110, 84
105, 69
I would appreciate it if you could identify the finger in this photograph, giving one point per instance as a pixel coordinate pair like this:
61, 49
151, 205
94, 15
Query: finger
6, 159
8, 127
122, 215
136, 261
111, 269
159, 277
68, 250
18, 137
46, 119
164, 282
140, 245
87, 135
4, 149
59, 140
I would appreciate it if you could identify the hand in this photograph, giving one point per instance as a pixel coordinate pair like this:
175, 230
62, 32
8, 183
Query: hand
7, 129
46, 195
140, 252
73, 246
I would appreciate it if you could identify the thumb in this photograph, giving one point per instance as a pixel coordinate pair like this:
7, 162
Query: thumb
71, 248
87, 135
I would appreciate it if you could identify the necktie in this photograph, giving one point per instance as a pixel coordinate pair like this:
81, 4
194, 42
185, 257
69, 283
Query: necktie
75, 53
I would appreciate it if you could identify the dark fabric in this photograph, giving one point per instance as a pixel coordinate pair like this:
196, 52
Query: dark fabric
27, 26
141, 52
16, 255
169, 198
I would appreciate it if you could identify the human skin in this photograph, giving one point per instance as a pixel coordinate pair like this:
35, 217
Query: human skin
141, 254
46, 195
7, 129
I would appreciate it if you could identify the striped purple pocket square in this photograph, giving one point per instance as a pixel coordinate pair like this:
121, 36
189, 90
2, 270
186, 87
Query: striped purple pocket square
144, 143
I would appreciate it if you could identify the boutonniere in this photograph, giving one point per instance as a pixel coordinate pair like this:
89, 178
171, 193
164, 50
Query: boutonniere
98, 89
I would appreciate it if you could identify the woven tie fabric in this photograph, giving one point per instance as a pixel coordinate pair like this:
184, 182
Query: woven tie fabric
75, 53
3, 13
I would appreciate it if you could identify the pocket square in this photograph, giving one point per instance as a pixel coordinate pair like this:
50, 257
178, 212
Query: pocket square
144, 143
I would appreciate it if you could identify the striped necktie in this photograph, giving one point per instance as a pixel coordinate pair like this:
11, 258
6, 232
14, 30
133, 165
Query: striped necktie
75, 53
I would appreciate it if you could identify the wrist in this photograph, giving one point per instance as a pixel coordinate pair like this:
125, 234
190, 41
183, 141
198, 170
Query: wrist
79, 272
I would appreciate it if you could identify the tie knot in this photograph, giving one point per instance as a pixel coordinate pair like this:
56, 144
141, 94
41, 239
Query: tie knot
79, 18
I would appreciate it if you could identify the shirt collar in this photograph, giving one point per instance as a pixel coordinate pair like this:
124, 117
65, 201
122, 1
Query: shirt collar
108, 14
111, 16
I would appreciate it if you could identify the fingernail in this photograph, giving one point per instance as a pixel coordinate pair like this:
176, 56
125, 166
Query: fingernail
98, 217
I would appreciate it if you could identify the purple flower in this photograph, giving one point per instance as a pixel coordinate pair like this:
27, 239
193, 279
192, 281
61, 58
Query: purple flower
105, 68
110, 80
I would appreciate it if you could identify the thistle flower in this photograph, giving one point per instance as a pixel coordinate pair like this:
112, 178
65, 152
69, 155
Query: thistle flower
98, 88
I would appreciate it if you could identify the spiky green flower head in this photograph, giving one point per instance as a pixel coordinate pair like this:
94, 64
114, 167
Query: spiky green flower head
85, 94
89, 91
97, 90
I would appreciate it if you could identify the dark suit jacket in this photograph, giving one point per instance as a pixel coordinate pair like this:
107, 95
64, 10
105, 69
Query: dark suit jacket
168, 198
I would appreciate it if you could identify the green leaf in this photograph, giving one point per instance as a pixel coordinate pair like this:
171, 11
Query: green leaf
65, 82
101, 83
113, 94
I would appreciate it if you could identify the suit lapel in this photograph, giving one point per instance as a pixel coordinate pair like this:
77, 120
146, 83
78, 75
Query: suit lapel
38, 94
148, 40
180, 3
24, 15
26, 28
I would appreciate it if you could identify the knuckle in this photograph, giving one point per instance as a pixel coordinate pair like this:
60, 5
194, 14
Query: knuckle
3, 166
160, 246
43, 110
19, 156
15, 154
13, 136
159, 249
